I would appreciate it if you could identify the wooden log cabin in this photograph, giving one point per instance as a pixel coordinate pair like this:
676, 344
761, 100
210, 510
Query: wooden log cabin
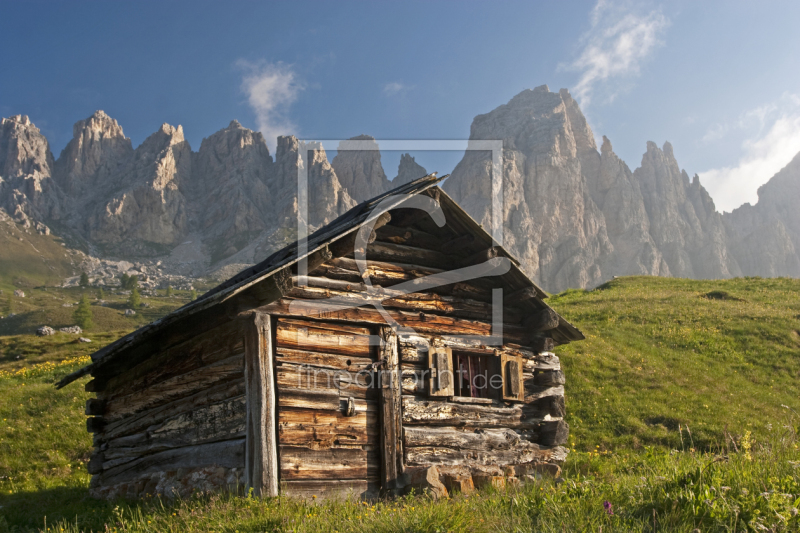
435, 365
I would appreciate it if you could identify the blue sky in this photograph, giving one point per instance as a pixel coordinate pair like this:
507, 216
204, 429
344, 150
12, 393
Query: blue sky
719, 80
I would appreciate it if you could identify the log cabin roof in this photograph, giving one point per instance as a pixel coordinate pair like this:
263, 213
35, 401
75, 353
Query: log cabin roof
237, 293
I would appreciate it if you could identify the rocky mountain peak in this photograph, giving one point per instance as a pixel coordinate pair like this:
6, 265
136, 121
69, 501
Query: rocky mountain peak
360, 171
408, 170
98, 147
606, 146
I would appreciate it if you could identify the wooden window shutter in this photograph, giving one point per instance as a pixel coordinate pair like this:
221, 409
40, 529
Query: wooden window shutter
440, 367
513, 387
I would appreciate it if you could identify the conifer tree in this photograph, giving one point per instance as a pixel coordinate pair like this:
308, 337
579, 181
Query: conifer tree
134, 300
169, 291
193, 295
84, 280
83, 313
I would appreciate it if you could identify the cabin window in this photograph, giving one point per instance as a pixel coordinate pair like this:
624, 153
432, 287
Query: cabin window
473, 375
463, 374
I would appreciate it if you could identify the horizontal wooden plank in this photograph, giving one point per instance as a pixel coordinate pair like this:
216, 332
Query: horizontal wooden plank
299, 462
420, 322
220, 421
357, 385
350, 363
533, 391
440, 455
545, 361
353, 329
469, 439
321, 400
140, 421
177, 387
205, 349
327, 429
441, 413
306, 336
402, 253
227, 454
426, 302
409, 236
358, 489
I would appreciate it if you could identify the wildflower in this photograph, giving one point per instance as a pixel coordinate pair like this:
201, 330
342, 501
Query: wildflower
607, 506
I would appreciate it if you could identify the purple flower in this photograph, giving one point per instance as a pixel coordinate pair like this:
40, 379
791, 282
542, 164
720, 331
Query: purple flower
608, 508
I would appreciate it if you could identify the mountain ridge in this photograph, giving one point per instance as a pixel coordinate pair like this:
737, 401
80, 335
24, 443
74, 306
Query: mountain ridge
574, 214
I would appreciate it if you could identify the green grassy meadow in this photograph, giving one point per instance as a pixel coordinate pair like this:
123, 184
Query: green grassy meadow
682, 404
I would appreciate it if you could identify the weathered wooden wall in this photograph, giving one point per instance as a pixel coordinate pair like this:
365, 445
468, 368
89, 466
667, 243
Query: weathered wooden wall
174, 423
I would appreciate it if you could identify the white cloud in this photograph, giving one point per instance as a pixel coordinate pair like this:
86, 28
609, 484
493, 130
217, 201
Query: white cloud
270, 88
615, 46
775, 142
394, 88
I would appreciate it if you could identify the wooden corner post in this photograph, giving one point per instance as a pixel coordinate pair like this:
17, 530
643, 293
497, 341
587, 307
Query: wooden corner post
391, 430
261, 456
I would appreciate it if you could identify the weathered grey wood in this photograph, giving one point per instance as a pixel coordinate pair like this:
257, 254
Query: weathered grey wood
552, 433
545, 361
440, 455
541, 344
391, 427
224, 420
440, 371
206, 348
315, 490
543, 320
261, 457
401, 253
439, 413
534, 391
526, 293
228, 454
176, 387
140, 421
549, 378
303, 462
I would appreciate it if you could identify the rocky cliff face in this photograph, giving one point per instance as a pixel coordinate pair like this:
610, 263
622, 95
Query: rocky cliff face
766, 237
577, 216
27, 189
574, 215
550, 221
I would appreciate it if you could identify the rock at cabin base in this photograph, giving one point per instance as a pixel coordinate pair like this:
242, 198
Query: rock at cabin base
130, 312
484, 480
75, 330
458, 483
425, 479
19, 293
45, 330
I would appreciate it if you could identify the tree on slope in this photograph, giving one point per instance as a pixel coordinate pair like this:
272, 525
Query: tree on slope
83, 313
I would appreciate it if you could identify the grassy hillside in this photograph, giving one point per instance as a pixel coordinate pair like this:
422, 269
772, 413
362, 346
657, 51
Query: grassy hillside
660, 354
28, 259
